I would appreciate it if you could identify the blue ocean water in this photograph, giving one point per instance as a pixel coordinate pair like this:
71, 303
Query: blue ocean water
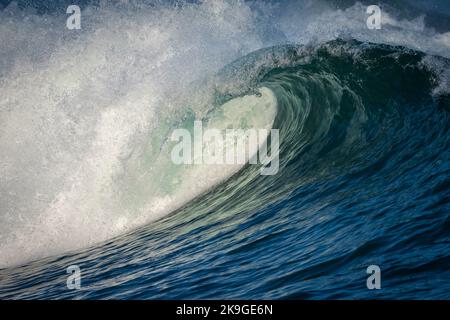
363, 178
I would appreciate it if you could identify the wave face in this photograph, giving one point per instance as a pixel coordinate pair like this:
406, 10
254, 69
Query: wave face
364, 157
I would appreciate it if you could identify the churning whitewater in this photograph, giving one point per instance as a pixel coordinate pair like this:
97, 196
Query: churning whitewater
86, 177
